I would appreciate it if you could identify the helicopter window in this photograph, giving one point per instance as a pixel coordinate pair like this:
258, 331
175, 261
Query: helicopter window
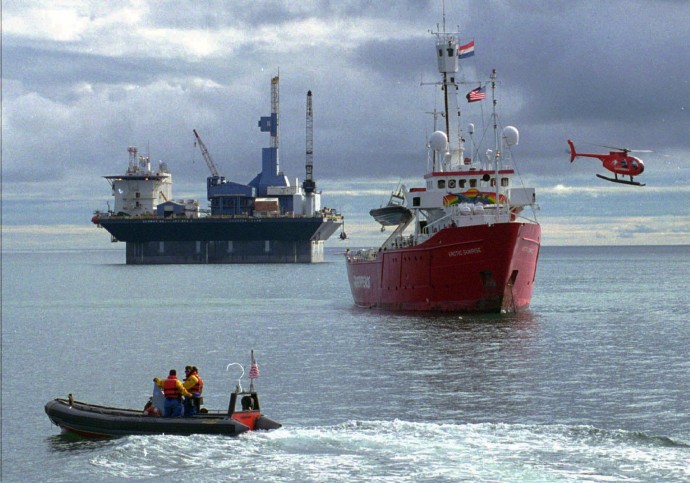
634, 165
624, 163
462, 183
505, 181
473, 183
441, 183
451, 183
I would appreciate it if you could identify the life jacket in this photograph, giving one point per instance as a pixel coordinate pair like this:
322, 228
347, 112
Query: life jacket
198, 388
170, 388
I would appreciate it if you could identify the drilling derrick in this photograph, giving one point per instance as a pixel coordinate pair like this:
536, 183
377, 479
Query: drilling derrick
275, 110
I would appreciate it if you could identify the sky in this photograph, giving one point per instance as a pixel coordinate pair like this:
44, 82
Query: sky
83, 80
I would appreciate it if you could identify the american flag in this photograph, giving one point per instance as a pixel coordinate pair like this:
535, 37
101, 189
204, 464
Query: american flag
254, 371
476, 94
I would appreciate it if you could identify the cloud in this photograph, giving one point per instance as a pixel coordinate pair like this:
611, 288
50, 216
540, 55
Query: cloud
82, 81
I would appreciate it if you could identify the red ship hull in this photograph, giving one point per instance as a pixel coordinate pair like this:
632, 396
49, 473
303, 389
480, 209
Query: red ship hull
481, 268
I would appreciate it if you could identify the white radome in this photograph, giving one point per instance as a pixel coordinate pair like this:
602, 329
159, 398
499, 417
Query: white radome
439, 141
511, 135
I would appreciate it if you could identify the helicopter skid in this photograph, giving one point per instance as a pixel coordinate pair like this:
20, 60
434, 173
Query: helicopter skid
622, 181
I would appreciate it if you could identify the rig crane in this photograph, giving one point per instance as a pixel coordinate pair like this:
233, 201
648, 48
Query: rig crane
206, 155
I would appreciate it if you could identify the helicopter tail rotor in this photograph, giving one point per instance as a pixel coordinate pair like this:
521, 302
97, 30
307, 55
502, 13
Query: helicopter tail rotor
573, 154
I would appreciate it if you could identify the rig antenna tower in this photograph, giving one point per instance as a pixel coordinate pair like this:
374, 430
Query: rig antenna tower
309, 185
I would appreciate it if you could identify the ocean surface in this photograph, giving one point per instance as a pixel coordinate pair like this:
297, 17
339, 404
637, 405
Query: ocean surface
591, 384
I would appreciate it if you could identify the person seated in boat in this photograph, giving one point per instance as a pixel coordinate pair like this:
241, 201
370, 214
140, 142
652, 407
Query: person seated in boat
156, 403
173, 390
247, 403
150, 409
195, 385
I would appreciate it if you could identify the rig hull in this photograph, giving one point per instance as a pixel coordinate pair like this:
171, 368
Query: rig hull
481, 268
152, 240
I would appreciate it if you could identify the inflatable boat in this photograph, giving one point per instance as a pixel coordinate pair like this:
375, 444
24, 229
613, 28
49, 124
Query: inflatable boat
94, 421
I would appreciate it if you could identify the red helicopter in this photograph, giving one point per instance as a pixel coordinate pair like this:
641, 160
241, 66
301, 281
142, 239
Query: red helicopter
618, 162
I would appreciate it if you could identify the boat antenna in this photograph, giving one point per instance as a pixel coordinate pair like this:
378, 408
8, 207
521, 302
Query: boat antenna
443, 8
239, 381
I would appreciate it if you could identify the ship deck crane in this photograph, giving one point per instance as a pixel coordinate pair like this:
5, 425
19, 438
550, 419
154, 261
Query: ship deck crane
206, 155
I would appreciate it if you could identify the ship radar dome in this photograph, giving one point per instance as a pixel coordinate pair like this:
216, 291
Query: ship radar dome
439, 141
511, 135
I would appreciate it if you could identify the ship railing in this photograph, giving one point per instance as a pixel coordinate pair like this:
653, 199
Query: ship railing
522, 218
456, 218
334, 216
403, 241
363, 255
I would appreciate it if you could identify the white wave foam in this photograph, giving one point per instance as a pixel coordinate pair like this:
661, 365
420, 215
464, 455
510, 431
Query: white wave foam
404, 451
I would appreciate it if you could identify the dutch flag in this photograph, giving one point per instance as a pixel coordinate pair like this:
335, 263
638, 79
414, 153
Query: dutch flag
466, 50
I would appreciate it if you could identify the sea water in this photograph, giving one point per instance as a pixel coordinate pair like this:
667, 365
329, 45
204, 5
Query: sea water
590, 384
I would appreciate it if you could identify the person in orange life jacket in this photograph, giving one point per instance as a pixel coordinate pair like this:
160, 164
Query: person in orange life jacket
195, 385
173, 390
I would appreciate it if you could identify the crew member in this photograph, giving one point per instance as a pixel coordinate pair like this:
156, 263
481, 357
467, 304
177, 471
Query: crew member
173, 391
195, 385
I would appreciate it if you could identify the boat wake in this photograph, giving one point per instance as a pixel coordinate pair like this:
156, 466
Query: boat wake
405, 451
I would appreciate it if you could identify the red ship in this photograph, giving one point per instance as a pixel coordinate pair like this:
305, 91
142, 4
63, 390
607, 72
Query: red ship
464, 241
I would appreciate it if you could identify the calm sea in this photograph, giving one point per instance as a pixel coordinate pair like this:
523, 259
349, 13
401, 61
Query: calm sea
591, 384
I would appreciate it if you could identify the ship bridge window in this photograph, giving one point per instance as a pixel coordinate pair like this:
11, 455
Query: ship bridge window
415, 201
441, 183
451, 183
493, 181
462, 183
473, 183
440, 52
505, 181
451, 52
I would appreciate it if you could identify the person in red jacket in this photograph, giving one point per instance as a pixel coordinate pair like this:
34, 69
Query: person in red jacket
173, 390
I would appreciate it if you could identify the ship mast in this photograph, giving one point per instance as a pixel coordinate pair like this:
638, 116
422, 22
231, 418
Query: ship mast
447, 53
497, 146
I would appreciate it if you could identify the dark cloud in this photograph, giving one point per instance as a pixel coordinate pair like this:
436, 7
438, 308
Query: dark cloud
609, 72
52, 72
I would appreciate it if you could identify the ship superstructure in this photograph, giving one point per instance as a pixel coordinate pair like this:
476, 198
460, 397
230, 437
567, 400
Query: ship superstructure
461, 241
267, 220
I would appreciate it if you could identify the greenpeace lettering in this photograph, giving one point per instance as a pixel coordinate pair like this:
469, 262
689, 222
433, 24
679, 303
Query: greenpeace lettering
361, 281
465, 252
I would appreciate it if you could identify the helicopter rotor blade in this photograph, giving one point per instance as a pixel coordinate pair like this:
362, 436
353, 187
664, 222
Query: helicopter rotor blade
626, 150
